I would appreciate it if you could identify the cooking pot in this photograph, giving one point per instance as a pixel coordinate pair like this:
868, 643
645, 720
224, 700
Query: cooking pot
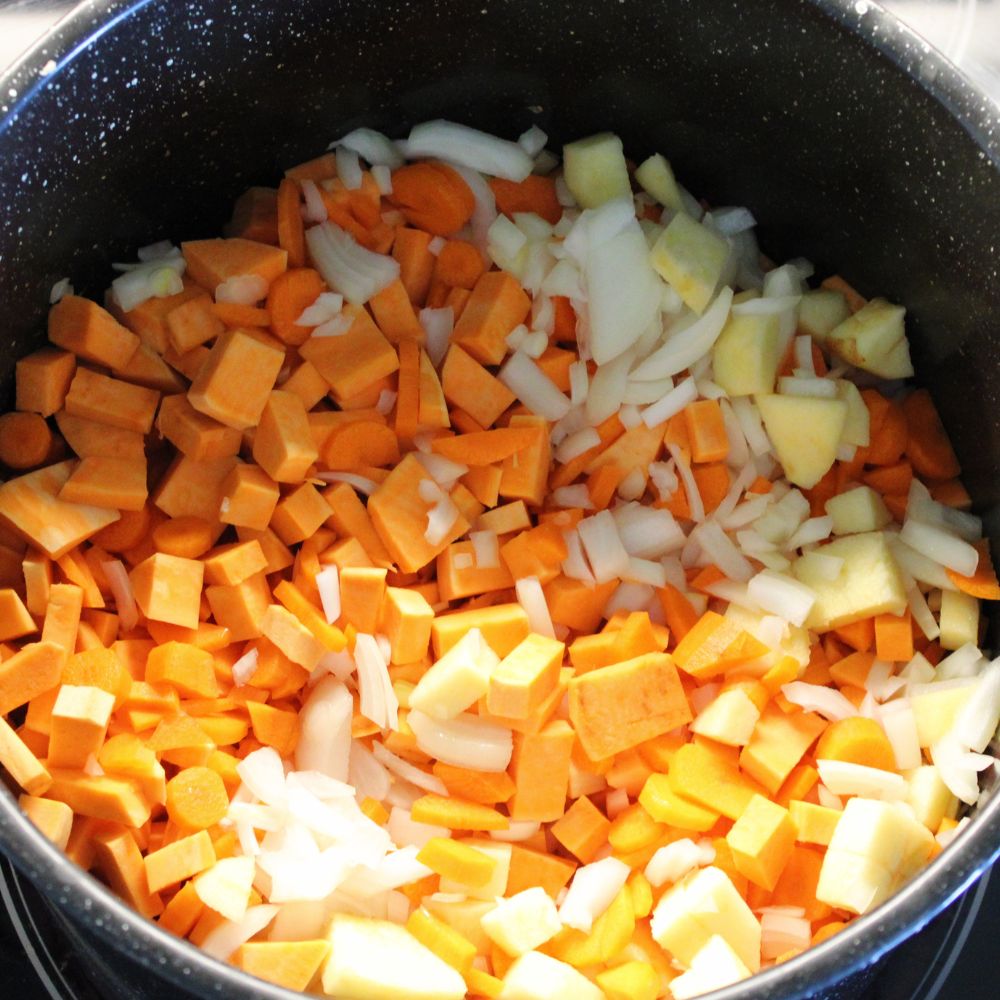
854, 144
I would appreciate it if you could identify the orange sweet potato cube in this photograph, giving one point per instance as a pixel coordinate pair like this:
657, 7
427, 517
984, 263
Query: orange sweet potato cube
80, 719
42, 380
240, 607
194, 489
192, 433
192, 324
300, 514
111, 401
83, 327
406, 622
283, 444
168, 589
468, 385
497, 304
118, 483
211, 262
249, 496
233, 384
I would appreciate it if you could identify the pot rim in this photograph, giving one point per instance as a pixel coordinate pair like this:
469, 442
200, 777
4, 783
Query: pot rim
865, 940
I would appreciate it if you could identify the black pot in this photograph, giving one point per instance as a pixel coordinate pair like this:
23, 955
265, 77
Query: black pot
854, 144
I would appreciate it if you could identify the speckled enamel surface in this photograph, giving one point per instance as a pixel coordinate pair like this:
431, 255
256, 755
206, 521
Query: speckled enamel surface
853, 143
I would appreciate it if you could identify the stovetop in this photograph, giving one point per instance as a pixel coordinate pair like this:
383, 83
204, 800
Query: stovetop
953, 957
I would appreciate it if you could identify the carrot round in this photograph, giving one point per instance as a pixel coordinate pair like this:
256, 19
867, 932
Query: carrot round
534, 194
186, 537
432, 196
289, 295
459, 264
291, 233
857, 740
196, 798
361, 442
125, 533
25, 440
927, 444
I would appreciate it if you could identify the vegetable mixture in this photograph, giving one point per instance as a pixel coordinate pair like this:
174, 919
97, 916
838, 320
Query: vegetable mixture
493, 562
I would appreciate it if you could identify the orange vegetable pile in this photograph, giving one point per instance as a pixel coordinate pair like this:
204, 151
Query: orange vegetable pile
169, 506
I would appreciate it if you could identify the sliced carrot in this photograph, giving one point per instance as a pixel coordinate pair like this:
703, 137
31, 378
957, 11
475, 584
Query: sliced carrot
927, 444
983, 583
25, 440
433, 197
459, 264
290, 232
484, 447
535, 194
288, 297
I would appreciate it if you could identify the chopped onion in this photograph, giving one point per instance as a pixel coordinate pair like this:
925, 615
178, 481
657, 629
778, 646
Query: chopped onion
121, 590
959, 768
243, 289
684, 393
441, 517
531, 597
336, 327
575, 564
154, 279
60, 289
940, 546
647, 532
407, 771
328, 585
465, 741
825, 701
378, 700
221, 942
695, 503
750, 423
314, 208
607, 388
517, 831
616, 802
348, 168
591, 892
486, 549
369, 778
718, 547
630, 596
346, 266
533, 387
532, 141
469, 147
324, 743
844, 778
506, 238
375, 147
783, 932
921, 507
977, 720
819, 388
684, 347
442, 470
386, 401
262, 772
407, 832
919, 566
605, 553
437, 325
245, 667
576, 495
815, 529
361, 483
326, 306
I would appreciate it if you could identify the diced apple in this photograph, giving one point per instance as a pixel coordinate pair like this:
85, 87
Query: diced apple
851, 882
523, 922
705, 903
378, 960
929, 796
871, 339
535, 976
497, 885
857, 427
747, 354
729, 718
716, 965
857, 510
795, 643
595, 169
805, 432
225, 887
690, 257
936, 706
656, 177
820, 311
959, 619
459, 678
869, 582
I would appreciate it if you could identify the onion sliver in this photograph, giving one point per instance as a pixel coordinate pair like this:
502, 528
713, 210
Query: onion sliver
470, 148
465, 741
346, 266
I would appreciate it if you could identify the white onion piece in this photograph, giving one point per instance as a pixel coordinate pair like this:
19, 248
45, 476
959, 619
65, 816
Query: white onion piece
243, 289
623, 293
672, 862
324, 743
314, 208
469, 147
603, 546
533, 387
262, 772
684, 347
685, 392
647, 532
382, 175
977, 720
437, 325
532, 141
346, 266
922, 613
783, 932
531, 597
407, 771
819, 388
60, 289
361, 483
695, 503
486, 549
378, 700
442, 470
920, 506
328, 585
900, 727
245, 667
375, 147
718, 547
844, 778
407, 832
607, 388
732, 219
575, 564
465, 741
591, 892
918, 566
596, 226
155, 279
335, 327
121, 590
326, 306
940, 546
369, 778
348, 168
504, 237
221, 942
959, 768
576, 495
828, 702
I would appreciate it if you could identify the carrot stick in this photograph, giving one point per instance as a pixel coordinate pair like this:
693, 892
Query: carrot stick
291, 234
485, 447
927, 444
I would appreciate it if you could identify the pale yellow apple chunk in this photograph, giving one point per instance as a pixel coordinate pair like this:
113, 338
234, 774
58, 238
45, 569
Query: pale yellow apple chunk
805, 432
